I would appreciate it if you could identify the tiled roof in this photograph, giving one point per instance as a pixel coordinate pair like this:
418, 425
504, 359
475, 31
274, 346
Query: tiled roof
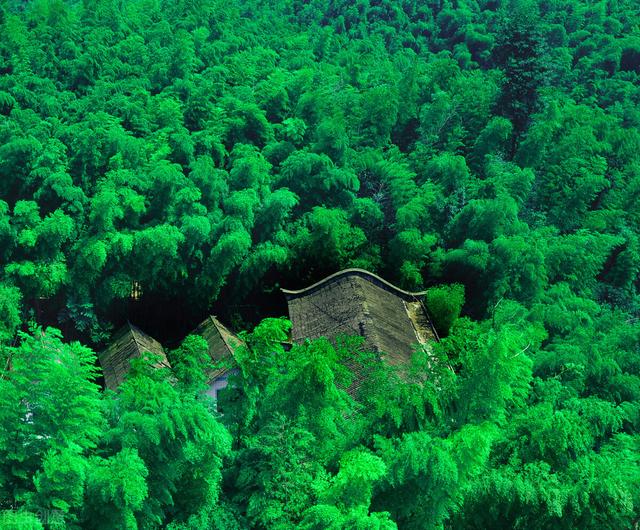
222, 342
357, 302
128, 343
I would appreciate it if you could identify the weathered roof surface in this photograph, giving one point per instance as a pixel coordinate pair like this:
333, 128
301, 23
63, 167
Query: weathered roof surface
357, 302
129, 342
222, 342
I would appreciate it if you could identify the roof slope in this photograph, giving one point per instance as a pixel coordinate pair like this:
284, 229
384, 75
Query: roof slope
357, 302
222, 342
129, 342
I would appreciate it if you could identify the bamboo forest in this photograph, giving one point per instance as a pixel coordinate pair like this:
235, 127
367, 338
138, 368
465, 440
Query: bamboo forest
320, 264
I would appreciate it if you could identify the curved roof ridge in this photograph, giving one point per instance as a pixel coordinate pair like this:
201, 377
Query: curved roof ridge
355, 272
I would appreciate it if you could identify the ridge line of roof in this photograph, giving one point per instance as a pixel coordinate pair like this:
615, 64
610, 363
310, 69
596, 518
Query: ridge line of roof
344, 272
135, 331
217, 324
371, 330
413, 323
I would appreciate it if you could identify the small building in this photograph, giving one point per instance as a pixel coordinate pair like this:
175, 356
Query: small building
222, 345
358, 302
128, 343
350, 302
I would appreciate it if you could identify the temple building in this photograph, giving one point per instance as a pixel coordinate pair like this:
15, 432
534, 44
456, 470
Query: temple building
350, 302
358, 302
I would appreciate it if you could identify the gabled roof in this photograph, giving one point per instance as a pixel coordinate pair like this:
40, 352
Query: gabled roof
358, 302
128, 343
222, 342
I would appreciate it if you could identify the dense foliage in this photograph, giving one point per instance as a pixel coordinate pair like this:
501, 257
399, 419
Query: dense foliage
204, 150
